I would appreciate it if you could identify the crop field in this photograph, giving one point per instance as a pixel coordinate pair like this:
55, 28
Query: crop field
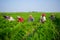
14, 30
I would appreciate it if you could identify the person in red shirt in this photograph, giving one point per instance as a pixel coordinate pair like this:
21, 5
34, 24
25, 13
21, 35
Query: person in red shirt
20, 19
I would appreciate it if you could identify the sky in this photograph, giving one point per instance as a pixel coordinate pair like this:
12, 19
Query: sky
29, 5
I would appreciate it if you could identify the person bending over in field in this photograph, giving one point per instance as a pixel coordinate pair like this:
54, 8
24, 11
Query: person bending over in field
20, 19
43, 18
11, 18
31, 18
52, 17
6, 17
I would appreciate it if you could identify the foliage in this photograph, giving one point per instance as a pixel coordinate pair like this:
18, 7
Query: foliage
29, 30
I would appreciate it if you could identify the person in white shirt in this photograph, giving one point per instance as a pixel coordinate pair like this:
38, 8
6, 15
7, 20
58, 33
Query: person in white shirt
11, 19
43, 18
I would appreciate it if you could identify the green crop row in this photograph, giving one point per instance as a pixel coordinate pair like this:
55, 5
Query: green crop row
30, 30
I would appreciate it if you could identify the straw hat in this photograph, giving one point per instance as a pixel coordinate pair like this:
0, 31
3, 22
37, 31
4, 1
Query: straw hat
30, 15
18, 16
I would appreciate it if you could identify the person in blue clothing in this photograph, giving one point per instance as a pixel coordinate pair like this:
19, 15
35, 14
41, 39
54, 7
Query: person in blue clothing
31, 19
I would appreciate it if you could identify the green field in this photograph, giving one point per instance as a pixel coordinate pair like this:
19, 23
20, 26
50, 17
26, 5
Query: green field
50, 30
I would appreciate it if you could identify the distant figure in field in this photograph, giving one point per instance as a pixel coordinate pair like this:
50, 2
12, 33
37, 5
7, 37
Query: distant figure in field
20, 19
6, 17
9, 18
43, 18
31, 19
52, 17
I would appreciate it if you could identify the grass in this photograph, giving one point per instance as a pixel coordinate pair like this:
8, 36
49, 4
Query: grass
50, 30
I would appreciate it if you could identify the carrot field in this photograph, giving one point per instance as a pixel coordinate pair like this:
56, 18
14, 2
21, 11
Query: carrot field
14, 30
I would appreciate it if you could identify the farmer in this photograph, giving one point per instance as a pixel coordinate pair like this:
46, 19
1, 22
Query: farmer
6, 17
43, 18
20, 19
52, 17
11, 18
31, 18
